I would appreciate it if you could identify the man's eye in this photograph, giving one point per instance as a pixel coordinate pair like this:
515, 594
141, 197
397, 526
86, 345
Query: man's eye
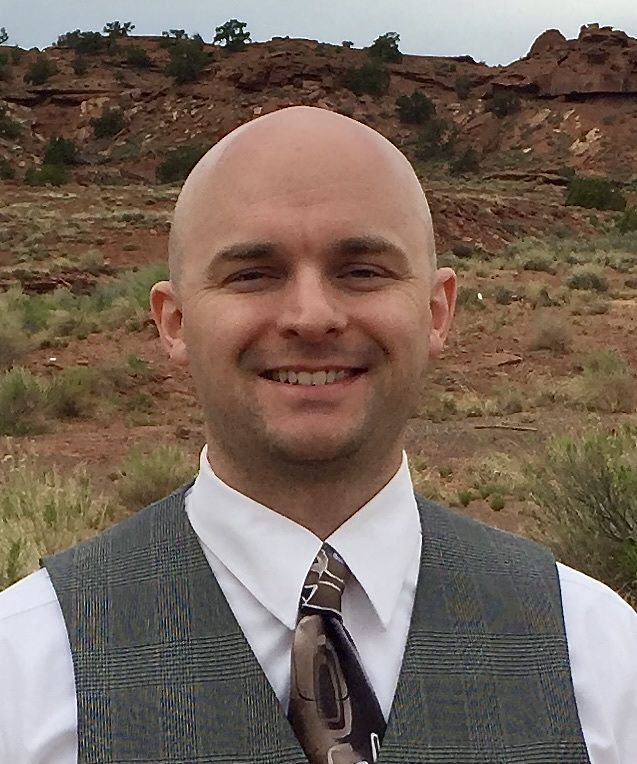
248, 276
364, 272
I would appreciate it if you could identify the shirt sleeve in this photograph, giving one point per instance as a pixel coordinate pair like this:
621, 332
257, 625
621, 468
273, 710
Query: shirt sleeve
602, 640
38, 716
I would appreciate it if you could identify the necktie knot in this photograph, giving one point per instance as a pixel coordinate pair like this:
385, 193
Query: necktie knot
324, 584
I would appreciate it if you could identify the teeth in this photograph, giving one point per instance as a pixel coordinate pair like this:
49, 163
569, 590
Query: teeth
309, 378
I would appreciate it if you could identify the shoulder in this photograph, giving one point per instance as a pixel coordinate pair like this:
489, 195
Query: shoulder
34, 654
601, 630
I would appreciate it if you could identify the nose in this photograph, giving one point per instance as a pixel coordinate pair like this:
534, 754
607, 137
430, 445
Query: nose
311, 308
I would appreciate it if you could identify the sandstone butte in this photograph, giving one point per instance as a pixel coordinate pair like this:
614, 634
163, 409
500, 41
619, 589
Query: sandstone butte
578, 103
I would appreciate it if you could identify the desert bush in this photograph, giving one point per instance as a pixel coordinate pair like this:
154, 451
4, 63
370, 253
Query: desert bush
72, 393
138, 58
9, 127
21, 401
4, 35
108, 124
178, 163
594, 193
7, 171
586, 487
369, 78
83, 43
415, 109
503, 295
606, 384
552, 333
14, 340
589, 305
588, 277
628, 221
5, 68
465, 163
468, 297
47, 175
187, 60
80, 66
117, 29
385, 48
503, 103
435, 140
463, 85
540, 261
61, 151
42, 512
40, 71
148, 477
233, 35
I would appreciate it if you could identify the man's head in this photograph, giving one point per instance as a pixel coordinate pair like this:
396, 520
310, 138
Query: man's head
302, 242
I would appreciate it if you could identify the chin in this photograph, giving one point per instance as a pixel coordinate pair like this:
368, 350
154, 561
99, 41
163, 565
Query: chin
303, 449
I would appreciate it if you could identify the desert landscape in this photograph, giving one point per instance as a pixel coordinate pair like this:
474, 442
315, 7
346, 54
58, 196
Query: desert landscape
528, 422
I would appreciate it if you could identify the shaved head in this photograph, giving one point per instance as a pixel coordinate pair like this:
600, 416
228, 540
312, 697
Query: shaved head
303, 146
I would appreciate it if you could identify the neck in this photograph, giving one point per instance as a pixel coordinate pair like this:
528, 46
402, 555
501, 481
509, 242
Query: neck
320, 496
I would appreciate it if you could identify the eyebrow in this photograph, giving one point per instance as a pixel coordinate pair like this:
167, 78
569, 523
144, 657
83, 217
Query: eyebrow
351, 245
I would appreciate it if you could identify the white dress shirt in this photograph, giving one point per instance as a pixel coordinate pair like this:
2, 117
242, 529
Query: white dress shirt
38, 713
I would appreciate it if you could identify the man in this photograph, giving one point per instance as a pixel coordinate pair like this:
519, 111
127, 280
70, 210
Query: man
298, 576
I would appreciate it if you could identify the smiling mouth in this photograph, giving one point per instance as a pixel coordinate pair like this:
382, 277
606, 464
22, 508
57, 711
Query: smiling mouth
307, 378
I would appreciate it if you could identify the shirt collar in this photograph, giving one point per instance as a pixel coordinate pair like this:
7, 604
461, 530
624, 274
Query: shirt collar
271, 555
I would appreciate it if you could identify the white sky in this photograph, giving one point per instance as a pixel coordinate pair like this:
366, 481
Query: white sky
495, 31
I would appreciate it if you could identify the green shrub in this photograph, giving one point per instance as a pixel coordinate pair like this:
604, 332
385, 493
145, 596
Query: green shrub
80, 66
138, 58
21, 402
7, 171
594, 193
370, 78
587, 488
5, 68
415, 109
434, 141
47, 175
4, 35
61, 151
588, 277
117, 29
503, 295
463, 85
42, 512
83, 43
178, 163
148, 477
40, 71
72, 392
628, 221
465, 163
466, 497
606, 384
540, 261
385, 48
9, 127
233, 35
110, 123
14, 340
552, 333
503, 103
187, 60
467, 297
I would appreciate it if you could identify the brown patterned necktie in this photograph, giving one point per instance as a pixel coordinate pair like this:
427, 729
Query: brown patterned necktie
333, 709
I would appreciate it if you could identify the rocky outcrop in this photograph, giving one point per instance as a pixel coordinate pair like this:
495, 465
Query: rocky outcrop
601, 61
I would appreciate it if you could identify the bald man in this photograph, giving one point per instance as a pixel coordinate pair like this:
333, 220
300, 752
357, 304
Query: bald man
297, 601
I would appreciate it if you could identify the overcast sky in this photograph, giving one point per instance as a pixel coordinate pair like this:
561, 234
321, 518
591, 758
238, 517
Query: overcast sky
495, 31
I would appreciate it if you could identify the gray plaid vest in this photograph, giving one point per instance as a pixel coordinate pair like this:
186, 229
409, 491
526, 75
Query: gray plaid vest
164, 674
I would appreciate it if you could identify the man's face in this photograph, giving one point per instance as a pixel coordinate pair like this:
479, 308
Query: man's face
306, 273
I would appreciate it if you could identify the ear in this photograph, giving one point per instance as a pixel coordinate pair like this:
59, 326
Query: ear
442, 305
166, 310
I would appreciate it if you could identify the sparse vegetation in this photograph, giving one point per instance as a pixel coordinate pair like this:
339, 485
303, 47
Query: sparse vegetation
232, 35
552, 333
415, 109
7, 170
108, 124
60, 151
628, 221
178, 163
47, 175
463, 86
117, 29
83, 43
594, 193
40, 70
138, 58
21, 403
370, 78
465, 163
435, 140
385, 48
588, 277
503, 103
148, 477
606, 384
586, 487
187, 60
